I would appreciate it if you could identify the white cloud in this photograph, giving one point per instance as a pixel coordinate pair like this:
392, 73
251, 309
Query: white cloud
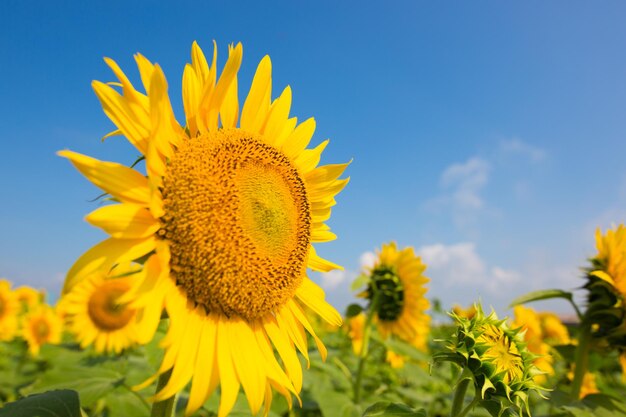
333, 279
460, 265
516, 146
367, 260
465, 182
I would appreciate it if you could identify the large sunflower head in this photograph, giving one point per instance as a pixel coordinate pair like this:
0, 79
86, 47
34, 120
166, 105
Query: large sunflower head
94, 314
223, 219
41, 326
606, 283
9, 310
495, 357
396, 289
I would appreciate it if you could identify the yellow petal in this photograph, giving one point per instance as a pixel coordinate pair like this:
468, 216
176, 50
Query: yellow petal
133, 126
309, 158
277, 117
145, 70
206, 372
286, 350
124, 221
313, 297
228, 379
248, 363
198, 61
257, 103
325, 173
299, 139
317, 263
121, 182
221, 88
297, 312
104, 255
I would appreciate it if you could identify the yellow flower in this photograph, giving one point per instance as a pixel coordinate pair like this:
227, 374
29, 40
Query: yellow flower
95, 316
539, 329
41, 326
9, 309
467, 313
588, 385
396, 291
554, 332
28, 297
225, 220
395, 360
611, 257
356, 323
501, 351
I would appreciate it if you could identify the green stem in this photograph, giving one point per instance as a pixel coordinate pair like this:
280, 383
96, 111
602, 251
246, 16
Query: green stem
136, 394
367, 331
163, 408
469, 407
459, 397
581, 359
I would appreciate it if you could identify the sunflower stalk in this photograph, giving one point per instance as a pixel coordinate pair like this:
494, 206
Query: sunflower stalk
581, 359
459, 397
166, 407
367, 332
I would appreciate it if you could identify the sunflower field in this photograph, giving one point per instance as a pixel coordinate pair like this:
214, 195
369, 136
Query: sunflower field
200, 302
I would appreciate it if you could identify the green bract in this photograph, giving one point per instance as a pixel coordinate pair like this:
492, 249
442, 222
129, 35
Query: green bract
495, 358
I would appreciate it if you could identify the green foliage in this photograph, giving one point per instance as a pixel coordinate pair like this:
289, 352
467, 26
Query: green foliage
58, 403
388, 409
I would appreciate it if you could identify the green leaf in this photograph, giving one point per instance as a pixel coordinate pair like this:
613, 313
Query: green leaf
353, 310
388, 409
541, 295
59, 403
597, 405
359, 282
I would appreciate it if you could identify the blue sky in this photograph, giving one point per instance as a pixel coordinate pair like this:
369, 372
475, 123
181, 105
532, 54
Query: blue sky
490, 136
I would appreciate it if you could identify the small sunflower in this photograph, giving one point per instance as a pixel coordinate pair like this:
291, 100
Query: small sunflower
41, 326
496, 359
95, 316
9, 309
355, 332
396, 289
224, 218
588, 386
467, 313
28, 297
395, 360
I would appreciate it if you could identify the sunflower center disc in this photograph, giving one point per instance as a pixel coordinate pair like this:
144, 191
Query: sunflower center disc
386, 283
238, 222
41, 330
103, 308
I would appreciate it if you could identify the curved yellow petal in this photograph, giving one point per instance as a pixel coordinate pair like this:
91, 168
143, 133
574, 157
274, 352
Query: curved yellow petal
309, 158
223, 85
121, 182
204, 381
296, 143
124, 221
277, 117
135, 127
313, 297
229, 384
248, 362
317, 263
257, 103
104, 255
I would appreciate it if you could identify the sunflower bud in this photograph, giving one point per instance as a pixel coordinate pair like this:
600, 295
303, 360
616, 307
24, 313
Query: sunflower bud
495, 358
606, 283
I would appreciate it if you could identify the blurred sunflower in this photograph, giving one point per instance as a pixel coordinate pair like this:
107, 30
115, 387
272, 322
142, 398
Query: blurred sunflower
588, 385
9, 309
542, 330
28, 297
467, 313
355, 332
225, 220
396, 289
41, 326
606, 283
95, 316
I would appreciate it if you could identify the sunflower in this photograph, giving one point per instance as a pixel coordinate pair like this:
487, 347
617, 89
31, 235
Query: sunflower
9, 309
95, 316
41, 326
28, 297
396, 288
495, 357
355, 332
223, 220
